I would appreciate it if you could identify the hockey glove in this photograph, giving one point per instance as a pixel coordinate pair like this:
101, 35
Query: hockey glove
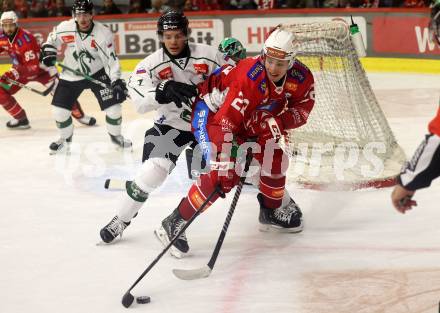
263, 125
11, 74
172, 91
48, 55
119, 90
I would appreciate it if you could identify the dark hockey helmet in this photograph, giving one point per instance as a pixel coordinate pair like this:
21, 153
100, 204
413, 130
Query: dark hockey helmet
172, 20
82, 6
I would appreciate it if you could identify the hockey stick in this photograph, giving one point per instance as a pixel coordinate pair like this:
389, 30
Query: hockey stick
115, 184
89, 78
206, 270
41, 93
128, 298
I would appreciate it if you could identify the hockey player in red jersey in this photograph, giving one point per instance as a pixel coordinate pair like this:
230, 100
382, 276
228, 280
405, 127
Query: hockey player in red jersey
24, 51
261, 98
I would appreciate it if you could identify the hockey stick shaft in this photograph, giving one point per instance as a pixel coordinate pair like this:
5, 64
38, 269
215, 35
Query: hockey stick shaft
206, 270
89, 78
225, 227
216, 191
41, 93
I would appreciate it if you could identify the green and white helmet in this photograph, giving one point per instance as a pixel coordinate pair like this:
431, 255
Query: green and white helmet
232, 48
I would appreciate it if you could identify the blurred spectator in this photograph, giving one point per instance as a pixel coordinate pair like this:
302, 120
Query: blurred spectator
189, 6
137, 6
240, 5
158, 6
176, 5
109, 7
59, 9
7, 5
21, 8
38, 9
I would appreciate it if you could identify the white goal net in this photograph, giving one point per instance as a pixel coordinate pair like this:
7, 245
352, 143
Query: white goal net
347, 142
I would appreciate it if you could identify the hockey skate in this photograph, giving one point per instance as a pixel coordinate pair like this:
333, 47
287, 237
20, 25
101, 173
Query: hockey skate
18, 124
169, 229
121, 142
113, 229
61, 145
287, 219
87, 120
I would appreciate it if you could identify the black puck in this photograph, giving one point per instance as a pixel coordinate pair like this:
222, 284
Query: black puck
143, 299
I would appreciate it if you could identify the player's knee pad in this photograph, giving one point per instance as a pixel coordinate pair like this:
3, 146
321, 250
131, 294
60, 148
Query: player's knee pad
60, 114
272, 188
114, 112
153, 173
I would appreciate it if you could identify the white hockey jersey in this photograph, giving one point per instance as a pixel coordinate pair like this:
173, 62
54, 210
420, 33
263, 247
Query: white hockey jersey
158, 67
86, 52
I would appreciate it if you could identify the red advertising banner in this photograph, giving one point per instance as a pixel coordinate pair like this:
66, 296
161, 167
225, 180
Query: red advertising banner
403, 35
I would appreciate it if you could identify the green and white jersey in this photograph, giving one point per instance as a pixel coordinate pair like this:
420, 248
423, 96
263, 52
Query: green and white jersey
158, 67
86, 52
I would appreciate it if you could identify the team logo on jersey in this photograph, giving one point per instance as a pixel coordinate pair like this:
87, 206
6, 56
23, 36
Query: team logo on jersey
262, 87
68, 38
93, 44
19, 42
292, 87
141, 71
201, 68
166, 73
255, 71
297, 75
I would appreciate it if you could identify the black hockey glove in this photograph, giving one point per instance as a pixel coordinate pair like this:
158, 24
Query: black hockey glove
172, 91
119, 90
48, 55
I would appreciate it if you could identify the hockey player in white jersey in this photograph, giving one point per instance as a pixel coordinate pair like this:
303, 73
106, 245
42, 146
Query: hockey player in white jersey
165, 81
90, 51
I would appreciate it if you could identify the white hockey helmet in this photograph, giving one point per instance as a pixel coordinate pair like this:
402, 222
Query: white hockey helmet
9, 16
280, 45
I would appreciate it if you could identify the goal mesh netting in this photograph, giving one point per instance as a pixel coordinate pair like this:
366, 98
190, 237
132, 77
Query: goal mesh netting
347, 142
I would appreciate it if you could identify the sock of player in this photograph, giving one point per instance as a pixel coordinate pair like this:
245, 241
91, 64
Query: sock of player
113, 119
14, 109
64, 122
77, 112
272, 190
131, 202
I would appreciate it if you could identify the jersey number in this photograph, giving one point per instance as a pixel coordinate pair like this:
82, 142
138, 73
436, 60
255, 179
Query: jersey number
29, 55
240, 104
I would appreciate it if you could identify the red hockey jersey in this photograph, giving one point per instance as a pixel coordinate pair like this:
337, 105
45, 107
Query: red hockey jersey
434, 125
24, 51
245, 88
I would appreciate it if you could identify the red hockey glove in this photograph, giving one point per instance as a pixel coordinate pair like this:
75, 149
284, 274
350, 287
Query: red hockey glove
11, 74
263, 125
223, 174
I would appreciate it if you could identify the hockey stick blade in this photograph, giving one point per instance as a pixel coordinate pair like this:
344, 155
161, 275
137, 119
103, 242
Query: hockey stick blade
193, 274
115, 184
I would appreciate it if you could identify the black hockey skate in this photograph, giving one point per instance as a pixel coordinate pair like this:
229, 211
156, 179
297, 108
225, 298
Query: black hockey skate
60, 145
287, 219
87, 120
121, 142
113, 229
169, 229
18, 124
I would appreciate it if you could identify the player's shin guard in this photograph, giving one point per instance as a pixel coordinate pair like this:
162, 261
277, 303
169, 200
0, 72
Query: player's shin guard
113, 119
65, 127
130, 204
13, 108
